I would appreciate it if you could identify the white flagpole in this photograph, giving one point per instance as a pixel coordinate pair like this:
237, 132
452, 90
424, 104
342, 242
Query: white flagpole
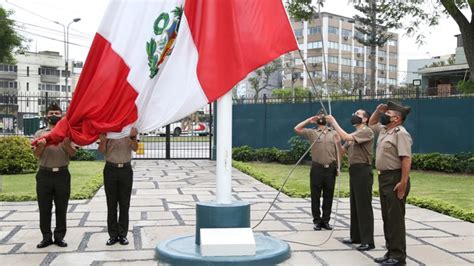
224, 149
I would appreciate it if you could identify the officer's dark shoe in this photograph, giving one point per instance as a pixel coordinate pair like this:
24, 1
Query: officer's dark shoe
392, 262
44, 243
349, 241
60, 243
123, 240
317, 227
326, 226
112, 241
381, 259
365, 247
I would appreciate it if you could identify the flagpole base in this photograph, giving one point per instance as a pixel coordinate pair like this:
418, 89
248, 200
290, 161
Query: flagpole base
184, 251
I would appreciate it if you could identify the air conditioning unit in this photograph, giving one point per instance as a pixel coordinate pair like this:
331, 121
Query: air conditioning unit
358, 55
346, 37
382, 72
381, 58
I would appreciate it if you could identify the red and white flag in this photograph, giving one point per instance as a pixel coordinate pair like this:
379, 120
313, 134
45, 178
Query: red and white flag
154, 62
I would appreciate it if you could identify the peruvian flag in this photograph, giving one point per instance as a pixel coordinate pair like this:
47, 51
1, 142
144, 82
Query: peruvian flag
153, 62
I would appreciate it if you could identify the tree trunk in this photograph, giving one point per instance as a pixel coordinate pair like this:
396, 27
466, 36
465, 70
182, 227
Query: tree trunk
468, 45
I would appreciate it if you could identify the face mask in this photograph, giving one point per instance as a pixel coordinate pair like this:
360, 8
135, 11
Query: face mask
355, 120
321, 121
53, 120
385, 119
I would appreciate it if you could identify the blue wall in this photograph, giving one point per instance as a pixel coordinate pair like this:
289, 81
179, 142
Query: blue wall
443, 125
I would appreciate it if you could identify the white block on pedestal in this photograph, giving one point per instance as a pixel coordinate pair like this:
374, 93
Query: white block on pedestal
227, 242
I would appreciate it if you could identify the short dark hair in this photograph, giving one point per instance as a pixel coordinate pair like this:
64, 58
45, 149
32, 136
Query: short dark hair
54, 107
366, 114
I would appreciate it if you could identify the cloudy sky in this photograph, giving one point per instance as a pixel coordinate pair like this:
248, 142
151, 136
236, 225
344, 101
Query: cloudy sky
35, 17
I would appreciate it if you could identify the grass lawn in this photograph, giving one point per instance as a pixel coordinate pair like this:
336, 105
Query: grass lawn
86, 178
455, 189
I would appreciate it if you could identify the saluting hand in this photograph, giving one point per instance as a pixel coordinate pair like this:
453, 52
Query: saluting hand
313, 119
400, 187
330, 119
382, 108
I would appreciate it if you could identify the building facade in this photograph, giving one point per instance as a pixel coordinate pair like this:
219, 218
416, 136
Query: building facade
34, 81
348, 61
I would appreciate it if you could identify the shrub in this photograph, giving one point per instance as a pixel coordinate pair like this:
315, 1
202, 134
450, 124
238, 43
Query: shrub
84, 155
298, 147
449, 163
266, 154
243, 154
16, 155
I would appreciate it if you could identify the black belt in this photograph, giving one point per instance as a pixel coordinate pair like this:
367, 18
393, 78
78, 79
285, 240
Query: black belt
384, 172
54, 169
324, 165
118, 165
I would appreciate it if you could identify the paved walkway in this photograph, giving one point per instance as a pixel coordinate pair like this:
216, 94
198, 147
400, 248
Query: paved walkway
162, 207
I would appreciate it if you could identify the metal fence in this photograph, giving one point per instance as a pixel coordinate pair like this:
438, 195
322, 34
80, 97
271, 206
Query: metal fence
190, 138
354, 96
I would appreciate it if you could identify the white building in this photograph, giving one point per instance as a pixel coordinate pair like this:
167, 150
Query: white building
35, 79
414, 65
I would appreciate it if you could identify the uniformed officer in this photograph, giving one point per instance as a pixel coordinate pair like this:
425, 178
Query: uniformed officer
359, 145
323, 168
393, 162
118, 181
53, 181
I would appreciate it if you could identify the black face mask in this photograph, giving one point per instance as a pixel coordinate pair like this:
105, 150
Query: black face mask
53, 120
321, 121
385, 119
355, 120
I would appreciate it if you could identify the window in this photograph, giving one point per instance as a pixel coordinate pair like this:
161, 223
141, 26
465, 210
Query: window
347, 33
392, 42
359, 77
298, 33
48, 72
392, 81
315, 74
393, 55
359, 35
392, 68
346, 75
346, 47
27, 86
48, 87
8, 84
381, 66
358, 63
333, 30
381, 81
333, 60
298, 61
8, 68
333, 45
315, 45
315, 59
27, 71
346, 61
382, 53
63, 90
333, 74
314, 30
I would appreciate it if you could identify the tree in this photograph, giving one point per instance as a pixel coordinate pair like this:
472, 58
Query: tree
260, 78
10, 40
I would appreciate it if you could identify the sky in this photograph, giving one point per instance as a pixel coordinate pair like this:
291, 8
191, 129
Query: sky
35, 17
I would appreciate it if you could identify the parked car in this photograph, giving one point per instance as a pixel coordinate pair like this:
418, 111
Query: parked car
179, 128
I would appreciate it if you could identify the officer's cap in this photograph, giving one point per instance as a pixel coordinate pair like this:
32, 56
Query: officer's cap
396, 106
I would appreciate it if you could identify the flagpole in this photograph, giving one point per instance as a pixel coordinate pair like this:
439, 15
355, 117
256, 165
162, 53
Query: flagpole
224, 149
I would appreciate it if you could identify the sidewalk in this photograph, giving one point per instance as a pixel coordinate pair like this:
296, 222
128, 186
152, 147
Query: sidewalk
162, 206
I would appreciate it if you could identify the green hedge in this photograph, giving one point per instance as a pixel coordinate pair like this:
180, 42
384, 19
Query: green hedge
84, 155
449, 163
16, 155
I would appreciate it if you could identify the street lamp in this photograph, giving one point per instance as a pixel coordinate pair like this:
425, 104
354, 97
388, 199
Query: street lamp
66, 55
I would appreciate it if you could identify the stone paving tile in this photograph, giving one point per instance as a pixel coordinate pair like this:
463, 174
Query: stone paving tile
163, 207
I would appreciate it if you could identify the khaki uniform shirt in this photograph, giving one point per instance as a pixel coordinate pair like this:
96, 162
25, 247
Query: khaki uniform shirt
53, 155
360, 150
391, 145
118, 150
324, 149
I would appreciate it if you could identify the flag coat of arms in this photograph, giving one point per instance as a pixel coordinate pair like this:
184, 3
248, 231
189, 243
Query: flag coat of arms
153, 62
